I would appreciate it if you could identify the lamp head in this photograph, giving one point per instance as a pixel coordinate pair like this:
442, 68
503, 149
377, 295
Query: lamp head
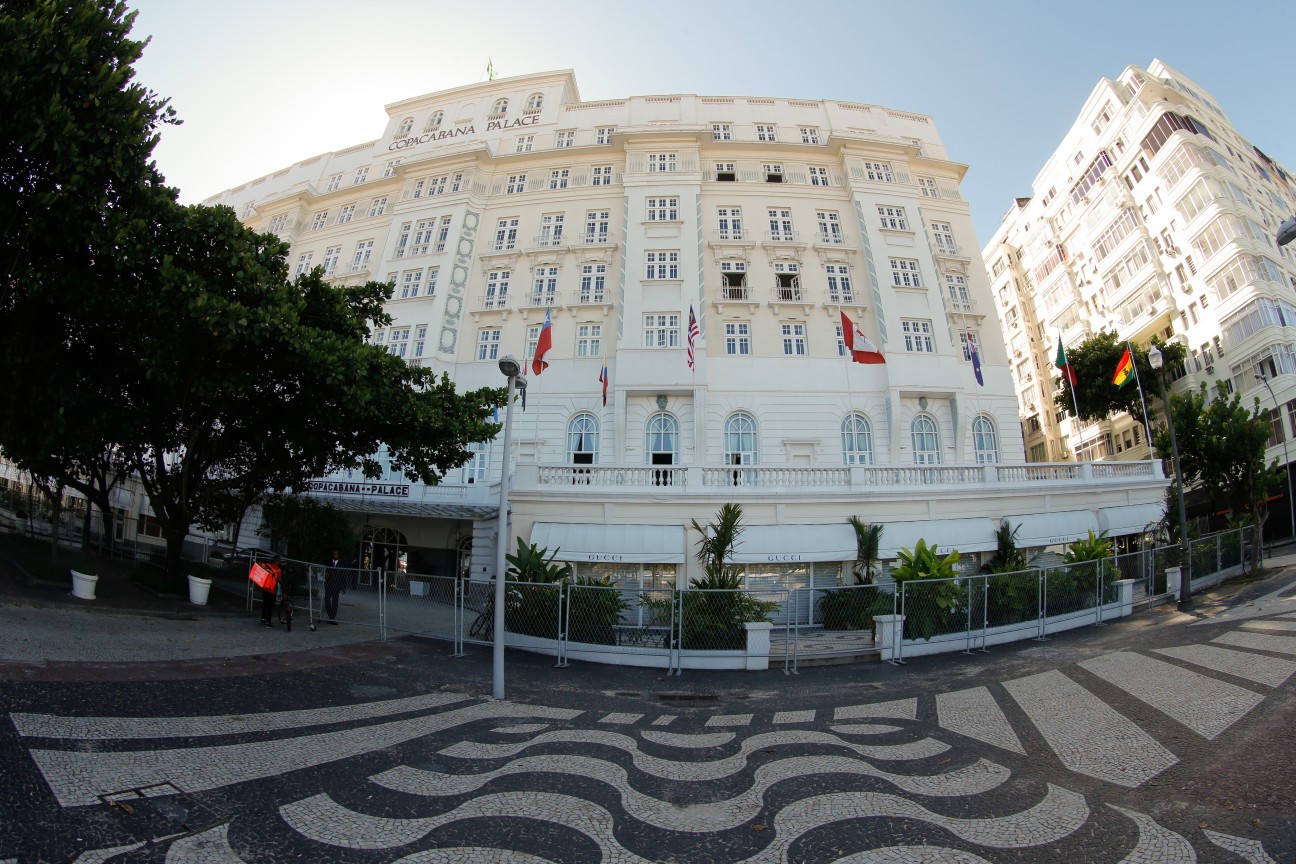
510, 366
1154, 357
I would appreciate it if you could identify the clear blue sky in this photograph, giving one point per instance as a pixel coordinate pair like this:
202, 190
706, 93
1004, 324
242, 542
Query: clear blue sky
263, 84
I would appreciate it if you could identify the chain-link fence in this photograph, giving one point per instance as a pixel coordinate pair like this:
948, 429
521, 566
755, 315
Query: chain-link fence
347, 595
832, 622
426, 605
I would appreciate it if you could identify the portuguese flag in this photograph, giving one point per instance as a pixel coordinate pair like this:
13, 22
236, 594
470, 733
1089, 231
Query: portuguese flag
1124, 369
1067, 372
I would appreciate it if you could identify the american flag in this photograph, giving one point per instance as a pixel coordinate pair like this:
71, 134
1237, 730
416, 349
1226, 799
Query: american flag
693, 333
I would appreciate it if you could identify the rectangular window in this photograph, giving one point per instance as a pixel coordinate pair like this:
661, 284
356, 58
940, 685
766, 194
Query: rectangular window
944, 236
787, 282
516, 183
603, 134
818, 175
879, 172
361, 175
442, 234
766, 132
809, 135
559, 178
840, 289
411, 283
497, 285
524, 144
596, 226
334, 182
378, 207
780, 225
724, 171
917, 335
318, 221
729, 221
432, 274
662, 265
589, 340
794, 340
506, 231
398, 344
602, 175
956, 285
544, 289
551, 229
721, 132
423, 231
969, 339
658, 162
904, 273
420, 338
402, 239
737, 338
331, 256
389, 170
593, 283
893, 217
488, 344
661, 331
303, 263
346, 214
532, 341
566, 138
773, 173
361, 260
663, 209
830, 229
733, 276
927, 186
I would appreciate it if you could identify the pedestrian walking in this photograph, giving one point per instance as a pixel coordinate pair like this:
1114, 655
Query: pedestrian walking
334, 585
269, 588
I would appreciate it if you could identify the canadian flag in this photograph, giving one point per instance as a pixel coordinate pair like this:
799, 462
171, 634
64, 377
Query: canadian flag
859, 346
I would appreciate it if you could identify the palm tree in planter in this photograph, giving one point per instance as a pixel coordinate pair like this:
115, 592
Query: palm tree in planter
1088, 565
853, 608
1013, 589
931, 608
715, 608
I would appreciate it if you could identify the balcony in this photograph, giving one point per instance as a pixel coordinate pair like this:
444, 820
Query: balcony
592, 297
735, 294
788, 294
541, 299
845, 298
493, 302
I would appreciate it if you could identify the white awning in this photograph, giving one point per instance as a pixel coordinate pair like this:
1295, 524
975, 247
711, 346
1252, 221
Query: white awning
1131, 519
1053, 529
766, 544
965, 535
630, 544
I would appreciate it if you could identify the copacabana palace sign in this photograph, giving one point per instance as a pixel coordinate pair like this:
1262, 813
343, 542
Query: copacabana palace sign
338, 487
461, 131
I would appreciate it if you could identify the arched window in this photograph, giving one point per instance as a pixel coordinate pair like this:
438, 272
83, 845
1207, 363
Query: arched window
926, 441
857, 440
405, 126
500, 108
661, 445
474, 470
740, 442
583, 439
984, 440
535, 102
434, 122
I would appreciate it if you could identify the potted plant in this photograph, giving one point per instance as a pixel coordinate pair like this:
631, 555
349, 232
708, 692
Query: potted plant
83, 584
932, 607
199, 590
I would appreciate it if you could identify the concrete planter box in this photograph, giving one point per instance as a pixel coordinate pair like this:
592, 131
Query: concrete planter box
754, 658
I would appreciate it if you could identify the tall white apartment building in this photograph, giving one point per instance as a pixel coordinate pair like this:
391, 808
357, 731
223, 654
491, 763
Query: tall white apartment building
1154, 217
496, 207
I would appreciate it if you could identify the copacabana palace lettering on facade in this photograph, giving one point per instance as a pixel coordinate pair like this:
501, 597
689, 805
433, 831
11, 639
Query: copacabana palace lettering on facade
392, 490
460, 131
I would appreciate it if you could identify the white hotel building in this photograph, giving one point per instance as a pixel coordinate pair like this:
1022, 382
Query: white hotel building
492, 205
1153, 217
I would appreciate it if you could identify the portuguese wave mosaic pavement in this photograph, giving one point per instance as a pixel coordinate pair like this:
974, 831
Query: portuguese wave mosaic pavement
1065, 764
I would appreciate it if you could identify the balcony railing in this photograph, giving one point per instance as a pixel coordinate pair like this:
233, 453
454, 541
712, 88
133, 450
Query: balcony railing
788, 294
496, 302
728, 235
735, 293
782, 237
586, 298
596, 239
843, 298
542, 298
550, 240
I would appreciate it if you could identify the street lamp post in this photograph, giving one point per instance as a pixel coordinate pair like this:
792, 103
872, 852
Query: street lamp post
511, 367
1291, 502
1185, 569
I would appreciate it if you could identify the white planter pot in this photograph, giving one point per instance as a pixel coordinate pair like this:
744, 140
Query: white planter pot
83, 585
199, 588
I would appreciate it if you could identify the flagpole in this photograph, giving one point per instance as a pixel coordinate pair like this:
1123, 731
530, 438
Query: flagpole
1075, 403
1147, 426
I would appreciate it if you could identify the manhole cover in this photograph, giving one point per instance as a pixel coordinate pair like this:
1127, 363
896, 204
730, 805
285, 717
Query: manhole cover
687, 697
161, 810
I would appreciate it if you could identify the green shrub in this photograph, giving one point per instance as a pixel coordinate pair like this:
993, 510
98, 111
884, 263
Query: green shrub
931, 608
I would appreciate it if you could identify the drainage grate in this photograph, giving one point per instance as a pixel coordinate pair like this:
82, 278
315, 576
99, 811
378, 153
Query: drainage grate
687, 697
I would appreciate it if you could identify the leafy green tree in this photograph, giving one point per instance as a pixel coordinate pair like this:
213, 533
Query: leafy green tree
1222, 448
1094, 362
306, 528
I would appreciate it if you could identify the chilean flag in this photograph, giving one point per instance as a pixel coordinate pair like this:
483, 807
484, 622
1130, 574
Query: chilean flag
543, 344
859, 346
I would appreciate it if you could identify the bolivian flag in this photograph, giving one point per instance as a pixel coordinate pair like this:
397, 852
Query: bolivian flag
1124, 369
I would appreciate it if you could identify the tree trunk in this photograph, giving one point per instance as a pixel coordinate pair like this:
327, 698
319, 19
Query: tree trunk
175, 536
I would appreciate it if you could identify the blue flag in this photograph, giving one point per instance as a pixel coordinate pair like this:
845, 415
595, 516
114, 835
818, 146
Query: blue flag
976, 360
